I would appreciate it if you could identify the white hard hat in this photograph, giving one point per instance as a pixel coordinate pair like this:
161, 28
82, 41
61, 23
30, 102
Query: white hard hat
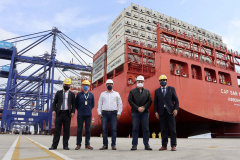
140, 78
109, 81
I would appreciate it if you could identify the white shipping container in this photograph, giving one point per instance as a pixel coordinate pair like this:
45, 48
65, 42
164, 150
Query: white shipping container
133, 7
141, 18
148, 20
183, 25
116, 63
98, 68
179, 30
135, 32
124, 13
155, 14
98, 76
141, 25
135, 40
166, 19
135, 15
154, 21
124, 31
117, 44
148, 12
161, 16
149, 28
179, 23
135, 24
167, 25
155, 45
149, 36
149, 44
154, 38
173, 27
99, 60
154, 30
119, 51
142, 34
142, 42
142, 10
116, 28
188, 27
173, 21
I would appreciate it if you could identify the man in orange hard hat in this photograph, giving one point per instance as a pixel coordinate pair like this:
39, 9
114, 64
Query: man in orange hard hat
63, 108
166, 107
84, 105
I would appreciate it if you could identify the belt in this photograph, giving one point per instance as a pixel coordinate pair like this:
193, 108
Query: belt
109, 110
64, 110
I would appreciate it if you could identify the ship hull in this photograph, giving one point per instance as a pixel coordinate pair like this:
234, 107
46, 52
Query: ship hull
204, 106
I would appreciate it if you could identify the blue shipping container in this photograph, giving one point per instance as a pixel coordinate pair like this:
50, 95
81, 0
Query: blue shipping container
5, 68
6, 45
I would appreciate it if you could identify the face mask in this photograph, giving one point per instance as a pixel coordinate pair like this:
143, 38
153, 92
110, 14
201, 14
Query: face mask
140, 85
163, 83
66, 88
109, 88
85, 88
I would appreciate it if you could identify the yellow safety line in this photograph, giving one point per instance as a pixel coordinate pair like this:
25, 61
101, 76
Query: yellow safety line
16, 152
37, 158
47, 151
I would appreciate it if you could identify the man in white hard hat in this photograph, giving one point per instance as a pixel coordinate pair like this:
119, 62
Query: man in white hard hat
63, 108
109, 110
140, 100
166, 107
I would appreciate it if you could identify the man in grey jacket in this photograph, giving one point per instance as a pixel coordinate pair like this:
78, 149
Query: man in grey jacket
140, 100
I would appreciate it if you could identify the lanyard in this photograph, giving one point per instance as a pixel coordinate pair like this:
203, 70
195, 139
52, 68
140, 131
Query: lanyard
86, 97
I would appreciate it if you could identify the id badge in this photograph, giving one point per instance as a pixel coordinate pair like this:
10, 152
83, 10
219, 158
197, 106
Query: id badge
85, 102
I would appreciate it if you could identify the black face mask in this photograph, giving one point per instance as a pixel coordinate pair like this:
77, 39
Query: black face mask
109, 88
66, 88
163, 83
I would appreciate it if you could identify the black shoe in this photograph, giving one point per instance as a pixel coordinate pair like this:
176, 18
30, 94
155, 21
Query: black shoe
114, 148
103, 148
134, 148
52, 148
65, 148
148, 148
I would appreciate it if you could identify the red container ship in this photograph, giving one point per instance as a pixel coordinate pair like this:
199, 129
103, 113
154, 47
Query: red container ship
205, 80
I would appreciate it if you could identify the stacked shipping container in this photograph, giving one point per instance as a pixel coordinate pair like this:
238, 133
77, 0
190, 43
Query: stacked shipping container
99, 64
139, 24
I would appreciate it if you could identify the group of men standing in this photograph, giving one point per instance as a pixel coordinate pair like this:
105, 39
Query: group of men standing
166, 107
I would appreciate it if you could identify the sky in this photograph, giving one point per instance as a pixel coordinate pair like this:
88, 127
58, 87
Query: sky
87, 22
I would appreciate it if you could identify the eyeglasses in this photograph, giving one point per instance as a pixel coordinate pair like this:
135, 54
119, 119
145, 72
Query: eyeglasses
163, 80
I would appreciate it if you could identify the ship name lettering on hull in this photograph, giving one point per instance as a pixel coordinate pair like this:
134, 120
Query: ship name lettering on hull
232, 93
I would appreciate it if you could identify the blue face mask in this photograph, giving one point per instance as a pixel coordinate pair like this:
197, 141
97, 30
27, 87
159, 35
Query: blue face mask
85, 88
163, 83
109, 88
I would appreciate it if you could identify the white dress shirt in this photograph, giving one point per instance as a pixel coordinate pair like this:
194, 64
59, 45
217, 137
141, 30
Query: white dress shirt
65, 100
109, 102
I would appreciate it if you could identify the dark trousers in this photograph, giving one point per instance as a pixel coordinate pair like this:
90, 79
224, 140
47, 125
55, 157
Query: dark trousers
168, 123
144, 118
112, 118
80, 121
63, 118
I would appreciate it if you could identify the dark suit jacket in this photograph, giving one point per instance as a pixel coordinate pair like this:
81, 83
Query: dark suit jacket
58, 100
170, 100
135, 99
